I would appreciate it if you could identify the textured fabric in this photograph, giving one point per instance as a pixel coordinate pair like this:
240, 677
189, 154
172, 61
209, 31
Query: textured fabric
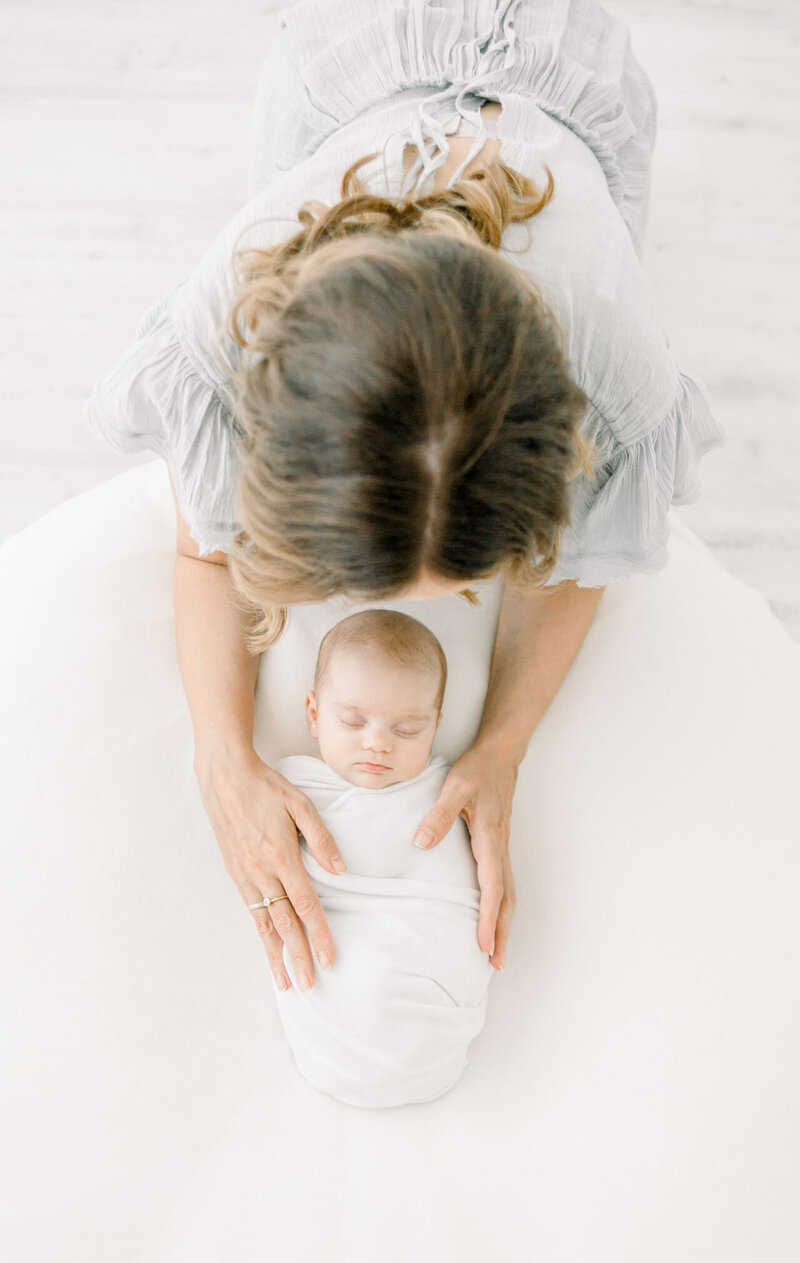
347, 78
390, 1022
467, 127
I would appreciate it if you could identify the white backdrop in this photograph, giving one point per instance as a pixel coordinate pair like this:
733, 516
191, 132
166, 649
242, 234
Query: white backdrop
634, 1093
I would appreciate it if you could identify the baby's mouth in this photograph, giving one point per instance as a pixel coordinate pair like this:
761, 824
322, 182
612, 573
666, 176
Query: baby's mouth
374, 767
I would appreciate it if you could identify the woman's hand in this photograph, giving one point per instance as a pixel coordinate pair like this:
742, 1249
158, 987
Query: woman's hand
480, 788
256, 814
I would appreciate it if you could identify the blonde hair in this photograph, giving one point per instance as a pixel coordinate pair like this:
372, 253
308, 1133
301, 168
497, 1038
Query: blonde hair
401, 638
405, 398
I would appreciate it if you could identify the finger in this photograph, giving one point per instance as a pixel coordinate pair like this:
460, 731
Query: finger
320, 840
295, 953
440, 819
310, 919
271, 939
490, 878
503, 927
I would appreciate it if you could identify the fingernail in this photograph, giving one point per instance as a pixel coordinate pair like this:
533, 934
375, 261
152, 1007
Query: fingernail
324, 960
423, 838
305, 981
339, 864
283, 982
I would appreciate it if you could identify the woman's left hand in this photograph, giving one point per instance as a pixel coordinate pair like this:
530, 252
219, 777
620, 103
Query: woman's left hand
480, 788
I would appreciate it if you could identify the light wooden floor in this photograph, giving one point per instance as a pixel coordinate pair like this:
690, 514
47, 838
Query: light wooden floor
124, 132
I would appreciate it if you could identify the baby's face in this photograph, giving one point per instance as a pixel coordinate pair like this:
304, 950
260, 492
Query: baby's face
375, 720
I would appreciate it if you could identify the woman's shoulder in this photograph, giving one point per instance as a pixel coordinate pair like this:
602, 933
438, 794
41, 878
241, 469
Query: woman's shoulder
649, 421
170, 391
582, 259
160, 397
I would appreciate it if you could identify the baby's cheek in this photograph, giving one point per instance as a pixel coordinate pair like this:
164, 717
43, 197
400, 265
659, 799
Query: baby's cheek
416, 762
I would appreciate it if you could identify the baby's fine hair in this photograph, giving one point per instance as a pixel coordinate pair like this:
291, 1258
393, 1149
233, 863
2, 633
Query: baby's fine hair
400, 637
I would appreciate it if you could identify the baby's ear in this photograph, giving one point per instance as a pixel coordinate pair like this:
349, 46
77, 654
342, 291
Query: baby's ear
311, 709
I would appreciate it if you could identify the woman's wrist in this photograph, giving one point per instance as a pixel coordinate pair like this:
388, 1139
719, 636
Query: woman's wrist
499, 744
220, 750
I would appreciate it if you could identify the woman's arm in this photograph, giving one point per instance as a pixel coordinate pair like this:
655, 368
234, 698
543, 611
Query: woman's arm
219, 674
538, 636
255, 812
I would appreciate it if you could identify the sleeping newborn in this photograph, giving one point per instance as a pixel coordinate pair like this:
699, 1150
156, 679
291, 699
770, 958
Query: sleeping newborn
391, 1020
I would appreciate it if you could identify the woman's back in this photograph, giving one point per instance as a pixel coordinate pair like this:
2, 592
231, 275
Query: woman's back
375, 88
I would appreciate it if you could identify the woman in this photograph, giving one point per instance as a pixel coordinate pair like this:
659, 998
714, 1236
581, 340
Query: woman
451, 370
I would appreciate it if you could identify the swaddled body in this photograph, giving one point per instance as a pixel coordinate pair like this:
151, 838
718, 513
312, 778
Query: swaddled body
391, 1021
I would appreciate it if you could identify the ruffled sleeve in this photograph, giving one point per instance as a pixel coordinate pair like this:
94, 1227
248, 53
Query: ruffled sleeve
156, 398
620, 523
172, 391
650, 422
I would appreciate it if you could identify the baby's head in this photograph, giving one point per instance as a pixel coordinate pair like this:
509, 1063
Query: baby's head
378, 688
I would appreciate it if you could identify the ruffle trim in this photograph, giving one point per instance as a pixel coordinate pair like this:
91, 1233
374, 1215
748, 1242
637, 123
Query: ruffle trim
621, 519
351, 56
154, 399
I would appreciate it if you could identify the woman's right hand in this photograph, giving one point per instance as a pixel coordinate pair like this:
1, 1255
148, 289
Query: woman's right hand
256, 814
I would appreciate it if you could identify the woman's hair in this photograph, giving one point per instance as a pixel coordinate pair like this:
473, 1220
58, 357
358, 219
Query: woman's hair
405, 398
402, 639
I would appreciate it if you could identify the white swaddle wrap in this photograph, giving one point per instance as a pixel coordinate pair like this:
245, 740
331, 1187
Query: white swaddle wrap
391, 1020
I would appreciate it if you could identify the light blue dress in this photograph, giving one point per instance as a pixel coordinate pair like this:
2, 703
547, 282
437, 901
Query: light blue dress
347, 78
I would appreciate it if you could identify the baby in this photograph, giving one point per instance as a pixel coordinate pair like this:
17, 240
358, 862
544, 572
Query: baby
390, 1022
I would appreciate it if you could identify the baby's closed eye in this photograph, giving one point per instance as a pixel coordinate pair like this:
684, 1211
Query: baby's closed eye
401, 732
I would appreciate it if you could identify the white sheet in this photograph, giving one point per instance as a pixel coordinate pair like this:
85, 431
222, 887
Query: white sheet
391, 1021
634, 1093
